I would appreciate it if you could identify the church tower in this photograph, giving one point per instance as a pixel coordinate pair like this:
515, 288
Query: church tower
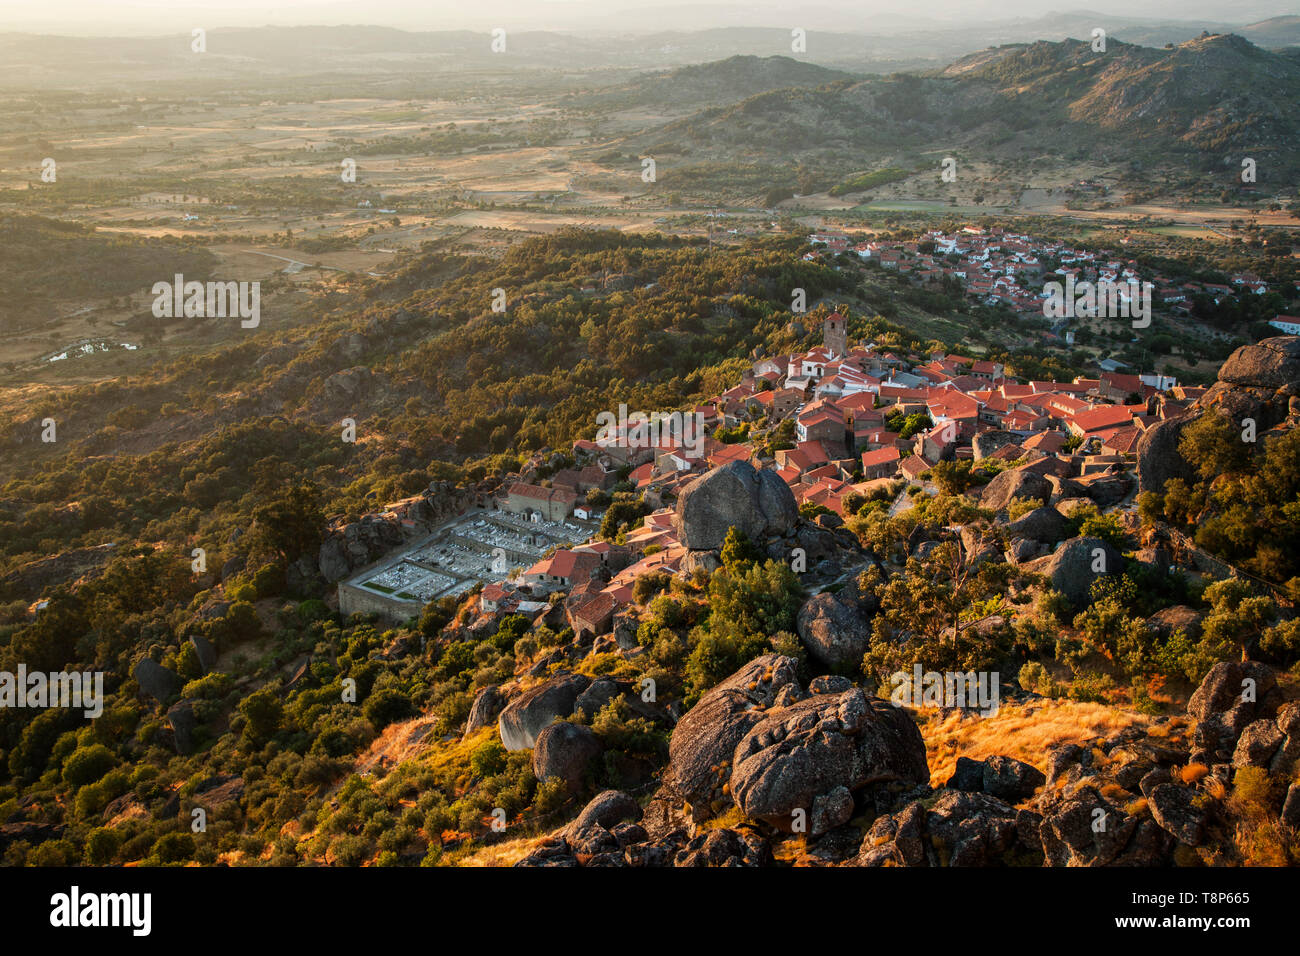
835, 335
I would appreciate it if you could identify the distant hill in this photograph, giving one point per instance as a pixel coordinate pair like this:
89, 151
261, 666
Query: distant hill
720, 82
1273, 32
1213, 92
1208, 99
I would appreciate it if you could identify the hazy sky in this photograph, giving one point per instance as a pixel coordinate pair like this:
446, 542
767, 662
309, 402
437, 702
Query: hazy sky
134, 17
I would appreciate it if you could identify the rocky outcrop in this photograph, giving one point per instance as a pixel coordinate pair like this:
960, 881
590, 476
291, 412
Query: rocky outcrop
1016, 483
756, 501
528, 714
958, 829
612, 832
35, 577
1271, 743
1076, 564
1271, 363
1083, 829
704, 740
356, 545
802, 765
1259, 381
1232, 696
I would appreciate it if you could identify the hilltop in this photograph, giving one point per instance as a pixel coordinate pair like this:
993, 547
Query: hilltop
1204, 103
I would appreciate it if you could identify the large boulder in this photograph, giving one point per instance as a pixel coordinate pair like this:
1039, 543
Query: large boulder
1063, 489
1178, 812
1158, 458
599, 693
206, 653
1257, 744
218, 792
1231, 684
486, 708
1041, 524
1016, 483
1003, 777
755, 501
1270, 363
816, 754
1109, 489
1076, 564
607, 809
834, 631
1177, 617
704, 741
155, 680
564, 751
526, 716
180, 717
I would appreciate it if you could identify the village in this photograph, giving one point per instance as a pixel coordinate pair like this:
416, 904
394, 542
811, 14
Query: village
839, 424
997, 266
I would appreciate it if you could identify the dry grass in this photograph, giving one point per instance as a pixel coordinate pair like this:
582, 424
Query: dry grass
398, 743
506, 853
1194, 772
1022, 731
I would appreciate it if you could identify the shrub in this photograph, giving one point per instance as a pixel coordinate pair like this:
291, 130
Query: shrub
88, 764
1019, 507
488, 759
101, 846
387, 706
173, 847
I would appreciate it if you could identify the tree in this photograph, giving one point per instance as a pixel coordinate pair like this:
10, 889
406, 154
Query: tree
925, 611
1237, 617
262, 712
1213, 446
952, 477
737, 549
290, 524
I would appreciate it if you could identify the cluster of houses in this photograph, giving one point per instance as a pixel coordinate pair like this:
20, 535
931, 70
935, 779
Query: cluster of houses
996, 266
845, 409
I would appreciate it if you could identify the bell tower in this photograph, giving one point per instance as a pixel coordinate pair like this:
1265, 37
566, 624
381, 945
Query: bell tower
835, 335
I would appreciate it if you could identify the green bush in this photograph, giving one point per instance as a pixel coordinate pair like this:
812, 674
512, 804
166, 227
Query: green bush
88, 764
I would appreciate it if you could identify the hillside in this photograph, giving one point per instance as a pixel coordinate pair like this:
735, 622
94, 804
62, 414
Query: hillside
1215, 94
705, 84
